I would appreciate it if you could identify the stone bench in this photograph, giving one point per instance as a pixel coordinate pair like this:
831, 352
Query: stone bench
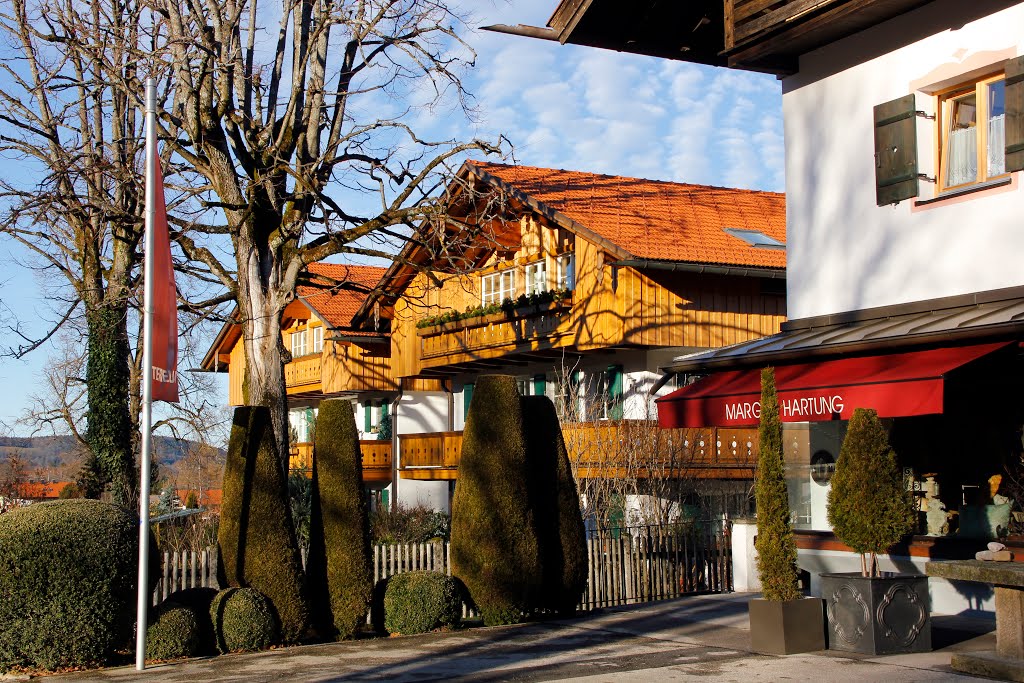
1007, 662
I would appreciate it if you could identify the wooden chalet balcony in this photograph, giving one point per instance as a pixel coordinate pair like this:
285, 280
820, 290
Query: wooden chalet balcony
527, 327
302, 375
769, 35
376, 460
627, 449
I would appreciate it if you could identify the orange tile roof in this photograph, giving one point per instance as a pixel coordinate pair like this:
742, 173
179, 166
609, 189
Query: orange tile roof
659, 220
210, 497
42, 491
337, 307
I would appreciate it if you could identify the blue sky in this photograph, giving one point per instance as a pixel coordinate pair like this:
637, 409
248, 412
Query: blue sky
561, 106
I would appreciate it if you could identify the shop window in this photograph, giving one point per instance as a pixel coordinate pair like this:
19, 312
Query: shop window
318, 339
496, 287
536, 277
566, 271
972, 133
299, 343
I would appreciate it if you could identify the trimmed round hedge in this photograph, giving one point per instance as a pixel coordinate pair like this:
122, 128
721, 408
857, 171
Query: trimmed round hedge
67, 583
199, 600
420, 601
173, 632
243, 619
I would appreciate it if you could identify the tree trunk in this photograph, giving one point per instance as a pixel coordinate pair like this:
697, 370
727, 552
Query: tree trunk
264, 356
109, 425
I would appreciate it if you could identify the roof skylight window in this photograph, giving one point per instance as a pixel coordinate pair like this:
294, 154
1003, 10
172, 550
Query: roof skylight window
755, 238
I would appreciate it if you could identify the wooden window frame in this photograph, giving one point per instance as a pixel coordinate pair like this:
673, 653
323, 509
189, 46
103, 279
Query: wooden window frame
979, 86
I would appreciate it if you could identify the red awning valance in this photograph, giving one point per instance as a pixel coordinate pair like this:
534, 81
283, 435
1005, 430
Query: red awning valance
896, 385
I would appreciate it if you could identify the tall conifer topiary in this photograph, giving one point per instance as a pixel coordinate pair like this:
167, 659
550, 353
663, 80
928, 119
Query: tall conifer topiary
868, 507
338, 567
556, 508
494, 542
776, 549
256, 536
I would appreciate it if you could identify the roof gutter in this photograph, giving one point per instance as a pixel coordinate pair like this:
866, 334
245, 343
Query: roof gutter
703, 268
1009, 332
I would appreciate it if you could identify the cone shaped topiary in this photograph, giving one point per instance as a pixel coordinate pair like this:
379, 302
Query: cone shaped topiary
256, 537
776, 549
556, 506
868, 506
339, 565
494, 545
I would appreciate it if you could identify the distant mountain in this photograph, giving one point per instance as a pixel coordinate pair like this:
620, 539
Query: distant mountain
54, 451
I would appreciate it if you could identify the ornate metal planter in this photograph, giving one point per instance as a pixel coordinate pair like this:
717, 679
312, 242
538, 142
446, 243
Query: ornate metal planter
885, 615
786, 628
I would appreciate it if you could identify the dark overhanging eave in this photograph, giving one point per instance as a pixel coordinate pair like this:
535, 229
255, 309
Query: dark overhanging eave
702, 268
541, 32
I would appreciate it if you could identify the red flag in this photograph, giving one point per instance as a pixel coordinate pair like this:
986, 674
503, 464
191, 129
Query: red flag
165, 300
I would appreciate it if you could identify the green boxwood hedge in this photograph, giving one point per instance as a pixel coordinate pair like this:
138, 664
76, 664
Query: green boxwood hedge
173, 632
420, 601
243, 620
339, 567
199, 600
68, 572
256, 536
494, 541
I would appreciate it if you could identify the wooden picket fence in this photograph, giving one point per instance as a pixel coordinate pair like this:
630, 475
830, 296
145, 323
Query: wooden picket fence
186, 569
627, 565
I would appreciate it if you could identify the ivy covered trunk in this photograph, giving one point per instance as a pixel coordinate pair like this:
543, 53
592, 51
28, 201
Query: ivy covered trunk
109, 423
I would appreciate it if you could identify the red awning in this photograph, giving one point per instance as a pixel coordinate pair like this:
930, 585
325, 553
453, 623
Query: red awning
896, 385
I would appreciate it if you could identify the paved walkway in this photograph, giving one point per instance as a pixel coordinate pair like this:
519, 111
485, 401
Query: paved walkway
690, 639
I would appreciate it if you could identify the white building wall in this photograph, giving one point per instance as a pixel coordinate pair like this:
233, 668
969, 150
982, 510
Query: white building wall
844, 252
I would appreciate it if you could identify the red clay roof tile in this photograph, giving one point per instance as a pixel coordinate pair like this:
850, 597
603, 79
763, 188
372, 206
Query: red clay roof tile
337, 307
659, 220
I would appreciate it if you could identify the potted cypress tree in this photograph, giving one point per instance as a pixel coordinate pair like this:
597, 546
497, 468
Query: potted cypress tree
870, 510
783, 622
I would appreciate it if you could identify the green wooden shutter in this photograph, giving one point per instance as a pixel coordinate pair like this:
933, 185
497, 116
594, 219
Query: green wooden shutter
538, 385
1014, 119
367, 416
310, 425
613, 377
896, 151
383, 409
467, 398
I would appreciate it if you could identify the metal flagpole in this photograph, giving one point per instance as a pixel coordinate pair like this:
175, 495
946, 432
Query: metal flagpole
147, 380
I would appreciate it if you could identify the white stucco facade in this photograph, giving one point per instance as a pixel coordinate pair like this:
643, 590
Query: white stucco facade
846, 253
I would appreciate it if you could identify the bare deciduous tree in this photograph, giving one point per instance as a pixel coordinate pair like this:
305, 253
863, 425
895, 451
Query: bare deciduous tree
303, 140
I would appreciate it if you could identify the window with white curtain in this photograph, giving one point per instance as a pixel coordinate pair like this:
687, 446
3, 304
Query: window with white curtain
972, 136
318, 339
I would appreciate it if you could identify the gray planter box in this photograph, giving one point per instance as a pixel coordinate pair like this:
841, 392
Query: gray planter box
786, 628
885, 615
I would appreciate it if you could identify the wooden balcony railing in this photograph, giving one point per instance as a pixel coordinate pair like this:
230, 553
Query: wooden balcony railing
433, 455
376, 457
522, 326
626, 449
303, 371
